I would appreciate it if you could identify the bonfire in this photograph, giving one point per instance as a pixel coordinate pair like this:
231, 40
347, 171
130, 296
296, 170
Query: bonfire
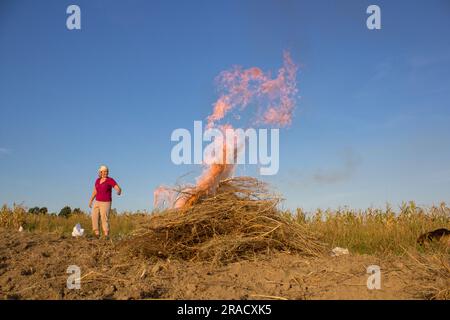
239, 221
222, 218
273, 101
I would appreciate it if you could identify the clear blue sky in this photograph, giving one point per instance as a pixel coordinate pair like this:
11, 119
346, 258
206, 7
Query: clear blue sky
371, 126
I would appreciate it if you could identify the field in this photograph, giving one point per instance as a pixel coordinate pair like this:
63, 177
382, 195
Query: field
33, 263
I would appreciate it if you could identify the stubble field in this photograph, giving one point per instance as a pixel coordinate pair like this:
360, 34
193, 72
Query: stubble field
34, 262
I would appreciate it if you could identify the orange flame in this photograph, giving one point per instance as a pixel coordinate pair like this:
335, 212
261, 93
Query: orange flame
275, 99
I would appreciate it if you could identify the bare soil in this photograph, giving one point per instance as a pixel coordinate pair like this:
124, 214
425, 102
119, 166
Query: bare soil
34, 266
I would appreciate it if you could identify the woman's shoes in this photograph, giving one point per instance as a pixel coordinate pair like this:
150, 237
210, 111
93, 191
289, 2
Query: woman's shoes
97, 236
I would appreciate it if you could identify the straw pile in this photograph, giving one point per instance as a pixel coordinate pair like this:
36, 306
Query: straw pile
238, 221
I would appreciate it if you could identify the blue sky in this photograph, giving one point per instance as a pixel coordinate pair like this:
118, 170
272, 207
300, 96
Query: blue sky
371, 125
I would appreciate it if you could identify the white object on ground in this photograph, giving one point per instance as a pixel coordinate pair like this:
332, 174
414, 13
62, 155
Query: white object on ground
339, 252
77, 231
20, 229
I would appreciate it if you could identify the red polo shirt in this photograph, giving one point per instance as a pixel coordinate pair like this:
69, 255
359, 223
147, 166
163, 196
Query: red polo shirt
104, 189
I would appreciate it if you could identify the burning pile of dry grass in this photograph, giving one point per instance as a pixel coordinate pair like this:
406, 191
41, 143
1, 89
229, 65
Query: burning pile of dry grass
238, 221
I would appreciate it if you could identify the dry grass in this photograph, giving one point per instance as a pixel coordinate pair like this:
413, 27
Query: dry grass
430, 275
372, 231
240, 220
376, 231
121, 224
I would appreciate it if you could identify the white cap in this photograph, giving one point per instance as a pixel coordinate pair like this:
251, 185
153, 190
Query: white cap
103, 168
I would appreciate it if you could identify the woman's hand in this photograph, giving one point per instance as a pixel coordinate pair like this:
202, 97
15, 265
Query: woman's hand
118, 189
94, 194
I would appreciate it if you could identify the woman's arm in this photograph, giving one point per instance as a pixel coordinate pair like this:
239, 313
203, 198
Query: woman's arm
94, 193
117, 188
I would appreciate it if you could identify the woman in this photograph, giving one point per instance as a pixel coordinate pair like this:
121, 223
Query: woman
103, 199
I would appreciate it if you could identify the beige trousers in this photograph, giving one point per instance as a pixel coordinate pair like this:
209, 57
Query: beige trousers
101, 209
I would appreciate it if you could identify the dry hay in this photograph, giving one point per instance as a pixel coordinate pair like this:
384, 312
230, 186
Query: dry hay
240, 220
430, 275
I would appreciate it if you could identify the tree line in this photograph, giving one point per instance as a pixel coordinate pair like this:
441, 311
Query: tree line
64, 212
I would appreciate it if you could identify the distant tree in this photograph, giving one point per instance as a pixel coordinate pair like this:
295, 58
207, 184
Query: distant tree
34, 210
65, 212
77, 211
43, 210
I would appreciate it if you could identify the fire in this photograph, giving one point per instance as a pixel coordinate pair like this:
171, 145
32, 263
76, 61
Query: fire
274, 99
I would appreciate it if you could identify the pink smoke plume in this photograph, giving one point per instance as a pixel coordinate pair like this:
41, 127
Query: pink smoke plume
240, 89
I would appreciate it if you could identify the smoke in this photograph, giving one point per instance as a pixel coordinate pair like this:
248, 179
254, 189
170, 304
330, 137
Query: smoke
350, 164
4, 152
271, 102
351, 160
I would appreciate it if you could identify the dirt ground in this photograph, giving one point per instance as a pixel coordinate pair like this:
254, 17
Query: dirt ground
34, 266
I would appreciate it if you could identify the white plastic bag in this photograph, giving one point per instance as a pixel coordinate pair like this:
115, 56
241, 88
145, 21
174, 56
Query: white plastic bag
339, 252
77, 231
